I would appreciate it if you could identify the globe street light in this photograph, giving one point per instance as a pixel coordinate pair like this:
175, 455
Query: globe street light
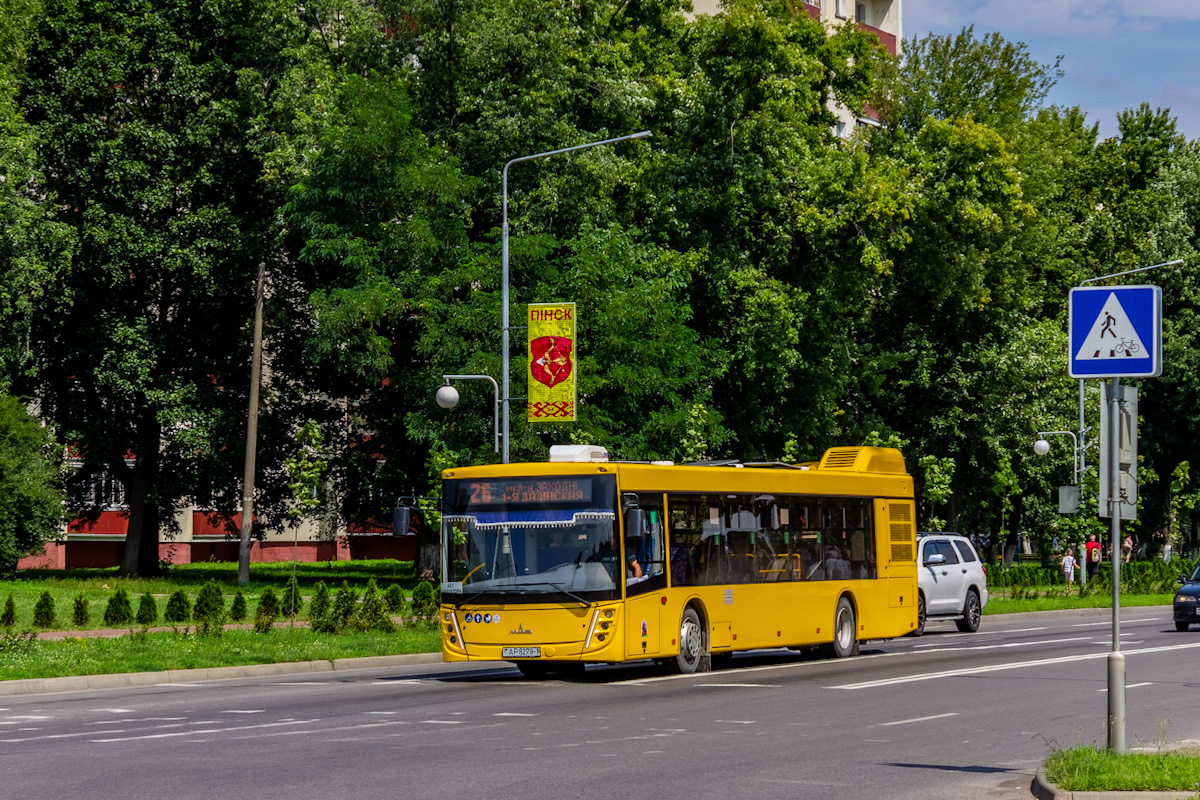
447, 397
506, 396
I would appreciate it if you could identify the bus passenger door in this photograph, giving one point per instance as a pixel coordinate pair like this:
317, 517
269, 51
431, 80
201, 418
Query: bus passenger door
644, 583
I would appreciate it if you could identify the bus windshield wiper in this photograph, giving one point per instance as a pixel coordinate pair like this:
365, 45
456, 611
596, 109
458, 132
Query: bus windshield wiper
518, 588
567, 592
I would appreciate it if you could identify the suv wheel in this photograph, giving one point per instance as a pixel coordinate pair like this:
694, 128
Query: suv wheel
971, 613
920, 629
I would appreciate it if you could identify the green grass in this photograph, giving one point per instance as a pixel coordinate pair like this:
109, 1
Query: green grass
1088, 769
1057, 602
150, 652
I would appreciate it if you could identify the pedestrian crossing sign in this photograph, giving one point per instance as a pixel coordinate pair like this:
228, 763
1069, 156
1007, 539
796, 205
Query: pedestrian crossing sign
1115, 332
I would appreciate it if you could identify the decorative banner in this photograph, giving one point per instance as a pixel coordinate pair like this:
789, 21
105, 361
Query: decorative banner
552, 362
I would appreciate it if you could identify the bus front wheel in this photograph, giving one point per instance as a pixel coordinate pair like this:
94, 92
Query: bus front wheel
845, 640
693, 652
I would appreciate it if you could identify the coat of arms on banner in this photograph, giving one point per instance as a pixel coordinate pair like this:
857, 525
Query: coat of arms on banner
552, 358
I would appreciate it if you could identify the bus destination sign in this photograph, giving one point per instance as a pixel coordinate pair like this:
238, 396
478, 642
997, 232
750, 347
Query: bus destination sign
546, 491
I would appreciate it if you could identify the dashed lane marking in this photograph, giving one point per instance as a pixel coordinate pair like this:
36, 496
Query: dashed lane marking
918, 719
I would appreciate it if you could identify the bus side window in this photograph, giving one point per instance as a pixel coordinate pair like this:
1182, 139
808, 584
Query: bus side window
647, 546
687, 514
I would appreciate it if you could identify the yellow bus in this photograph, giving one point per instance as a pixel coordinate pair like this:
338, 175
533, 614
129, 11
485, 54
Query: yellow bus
580, 560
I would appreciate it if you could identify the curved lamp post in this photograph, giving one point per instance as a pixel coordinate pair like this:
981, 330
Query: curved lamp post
504, 327
447, 397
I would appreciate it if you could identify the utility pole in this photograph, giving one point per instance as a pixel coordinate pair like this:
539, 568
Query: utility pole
251, 433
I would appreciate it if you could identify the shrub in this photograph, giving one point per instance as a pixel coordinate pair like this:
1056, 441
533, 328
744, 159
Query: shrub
179, 608
345, 607
209, 611
9, 617
267, 611
426, 599
80, 615
118, 611
318, 607
43, 612
237, 609
397, 603
373, 615
147, 613
292, 601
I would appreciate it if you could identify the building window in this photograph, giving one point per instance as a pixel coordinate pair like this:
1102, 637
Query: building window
860, 13
839, 8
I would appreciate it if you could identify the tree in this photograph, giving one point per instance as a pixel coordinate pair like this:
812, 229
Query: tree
145, 116
31, 496
32, 246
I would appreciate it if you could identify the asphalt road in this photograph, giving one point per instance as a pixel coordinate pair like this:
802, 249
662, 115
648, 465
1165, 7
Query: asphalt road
948, 715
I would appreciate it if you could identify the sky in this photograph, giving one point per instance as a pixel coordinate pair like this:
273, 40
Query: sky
1117, 54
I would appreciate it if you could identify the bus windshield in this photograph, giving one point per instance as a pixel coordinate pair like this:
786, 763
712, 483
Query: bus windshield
531, 537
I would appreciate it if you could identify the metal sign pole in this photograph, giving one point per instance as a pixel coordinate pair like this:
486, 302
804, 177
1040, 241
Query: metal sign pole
1116, 659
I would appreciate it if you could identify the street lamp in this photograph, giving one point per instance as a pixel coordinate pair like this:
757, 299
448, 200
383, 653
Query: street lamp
504, 327
1042, 447
447, 397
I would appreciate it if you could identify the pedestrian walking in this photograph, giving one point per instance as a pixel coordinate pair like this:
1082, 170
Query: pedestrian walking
1127, 548
1068, 568
1093, 556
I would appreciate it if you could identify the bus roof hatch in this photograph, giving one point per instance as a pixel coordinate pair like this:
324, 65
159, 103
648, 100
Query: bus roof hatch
585, 453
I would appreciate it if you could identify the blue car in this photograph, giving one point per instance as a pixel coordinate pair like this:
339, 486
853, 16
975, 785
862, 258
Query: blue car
1187, 601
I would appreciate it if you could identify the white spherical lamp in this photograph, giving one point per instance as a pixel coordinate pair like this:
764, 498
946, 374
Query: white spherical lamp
1041, 447
447, 397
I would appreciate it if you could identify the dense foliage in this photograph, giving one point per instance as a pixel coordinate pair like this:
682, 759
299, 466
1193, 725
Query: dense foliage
749, 283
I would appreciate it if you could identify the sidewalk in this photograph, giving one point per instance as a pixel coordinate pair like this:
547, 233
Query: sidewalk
128, 679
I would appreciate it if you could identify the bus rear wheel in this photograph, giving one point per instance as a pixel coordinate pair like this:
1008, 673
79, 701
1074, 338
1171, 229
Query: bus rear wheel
845, 640
693, 650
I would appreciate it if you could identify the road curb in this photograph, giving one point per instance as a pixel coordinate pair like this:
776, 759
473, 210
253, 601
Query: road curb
76, 683
1044, 790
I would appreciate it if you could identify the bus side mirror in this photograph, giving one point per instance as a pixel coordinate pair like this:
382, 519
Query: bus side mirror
629, 500
635, 522
401, 518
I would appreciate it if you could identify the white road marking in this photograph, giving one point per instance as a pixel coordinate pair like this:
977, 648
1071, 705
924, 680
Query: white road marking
246, 711
411, 682
1131, 685
935, 649
1016, 630
201, 732
381, 712
918, 719
512, 714
441, 722
929, 676
735, 721
744, 670
303, 683
116, 710
743, 685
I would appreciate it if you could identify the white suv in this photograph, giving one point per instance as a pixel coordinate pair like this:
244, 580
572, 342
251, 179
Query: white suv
951, 581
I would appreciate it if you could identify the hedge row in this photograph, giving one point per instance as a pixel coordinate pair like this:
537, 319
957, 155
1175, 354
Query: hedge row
1137, 577
209, 613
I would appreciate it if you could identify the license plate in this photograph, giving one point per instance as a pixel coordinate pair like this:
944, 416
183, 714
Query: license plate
521, 652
